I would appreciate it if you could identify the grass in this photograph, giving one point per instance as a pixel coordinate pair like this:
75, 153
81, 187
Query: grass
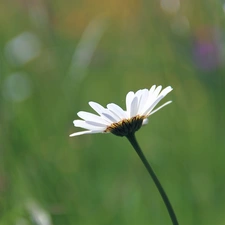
98, 179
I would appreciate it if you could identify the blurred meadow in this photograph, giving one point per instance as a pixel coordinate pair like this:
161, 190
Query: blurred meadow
56, 56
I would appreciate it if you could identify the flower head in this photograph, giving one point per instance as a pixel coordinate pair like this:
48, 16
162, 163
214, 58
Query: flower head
113, 119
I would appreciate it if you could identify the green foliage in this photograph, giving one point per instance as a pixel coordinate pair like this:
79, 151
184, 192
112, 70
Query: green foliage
98, 179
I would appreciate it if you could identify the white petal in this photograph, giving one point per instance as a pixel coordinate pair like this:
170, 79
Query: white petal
117, 110
97, 107
84, 132
110, 116
100, 109
160, 107
165, 91
92, 117
152, 89
129, 99
138, 94
145, 121
88, 126
134, 107
155, 100
156, 92
114, 114
93, 123
151, 106
143, 100
148, 101
152, 98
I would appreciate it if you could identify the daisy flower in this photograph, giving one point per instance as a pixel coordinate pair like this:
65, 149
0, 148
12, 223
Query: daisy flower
113, 119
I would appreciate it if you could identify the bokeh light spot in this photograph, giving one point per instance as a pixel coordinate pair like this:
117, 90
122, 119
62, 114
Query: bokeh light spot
17, 87
23, 48
170, 6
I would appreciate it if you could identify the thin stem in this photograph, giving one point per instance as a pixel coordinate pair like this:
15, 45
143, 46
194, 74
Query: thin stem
169, 207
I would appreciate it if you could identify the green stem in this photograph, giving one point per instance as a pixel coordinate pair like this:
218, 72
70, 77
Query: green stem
137, 148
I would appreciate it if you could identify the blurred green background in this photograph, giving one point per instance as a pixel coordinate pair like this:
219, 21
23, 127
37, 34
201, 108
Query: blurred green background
55, 56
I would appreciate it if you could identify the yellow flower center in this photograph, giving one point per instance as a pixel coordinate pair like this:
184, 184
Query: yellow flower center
126, 126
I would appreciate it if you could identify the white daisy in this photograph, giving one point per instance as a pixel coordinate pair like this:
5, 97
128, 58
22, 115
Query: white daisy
113, 119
